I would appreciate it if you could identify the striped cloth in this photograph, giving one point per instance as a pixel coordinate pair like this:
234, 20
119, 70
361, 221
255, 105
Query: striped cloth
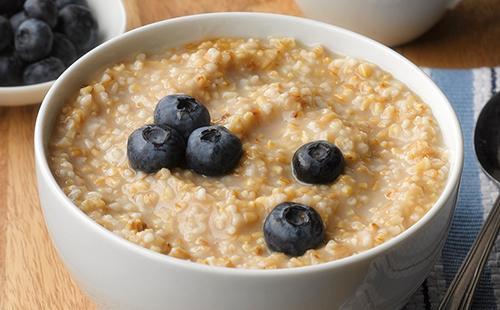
468, 91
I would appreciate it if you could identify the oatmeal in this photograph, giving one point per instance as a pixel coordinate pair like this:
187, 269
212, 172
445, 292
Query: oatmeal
275, 96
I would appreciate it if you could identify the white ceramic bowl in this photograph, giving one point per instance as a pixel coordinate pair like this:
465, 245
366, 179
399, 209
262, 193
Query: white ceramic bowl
111, 17
118, 274
391, 22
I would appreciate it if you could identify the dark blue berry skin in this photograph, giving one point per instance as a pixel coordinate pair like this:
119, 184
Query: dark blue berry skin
181, 112
10, 7
213, 151
63, 3
11, 69
45, 10
293, 228
33, 40
153, 147
78, 24
17, 19
318, 162
5, 34
44, 70
63, 49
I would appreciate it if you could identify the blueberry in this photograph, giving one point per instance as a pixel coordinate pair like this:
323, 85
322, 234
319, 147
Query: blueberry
17, 19
63, 3
63, 49
10, 70
10, 7
293, 228
33, 40
78, 24
45, 10
181, 112
5, 34
153, 147
318, 162
44, 70
213, 151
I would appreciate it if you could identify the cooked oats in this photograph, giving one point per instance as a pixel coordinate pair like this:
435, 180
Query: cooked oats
275, 95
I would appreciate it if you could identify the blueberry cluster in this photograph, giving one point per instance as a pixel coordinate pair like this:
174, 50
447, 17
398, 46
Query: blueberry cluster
182, 135
294, 228
39, 39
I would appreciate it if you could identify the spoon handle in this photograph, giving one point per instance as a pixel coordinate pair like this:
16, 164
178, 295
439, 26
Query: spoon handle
461, 290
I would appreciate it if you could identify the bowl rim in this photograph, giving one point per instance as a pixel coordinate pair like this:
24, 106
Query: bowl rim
45, 174
20, 89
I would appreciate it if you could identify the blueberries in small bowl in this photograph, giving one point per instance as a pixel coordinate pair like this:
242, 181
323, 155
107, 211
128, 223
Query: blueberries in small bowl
39, 39
213, 151
78, 24
181, 112
153, 147
318, 162
293, 228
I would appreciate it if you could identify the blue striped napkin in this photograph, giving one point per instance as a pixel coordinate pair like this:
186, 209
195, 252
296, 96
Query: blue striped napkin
468, 91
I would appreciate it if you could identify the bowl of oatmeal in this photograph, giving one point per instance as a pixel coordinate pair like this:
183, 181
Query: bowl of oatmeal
315, 167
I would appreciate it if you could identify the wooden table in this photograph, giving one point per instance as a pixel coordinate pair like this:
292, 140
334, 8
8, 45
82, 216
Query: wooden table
31, 274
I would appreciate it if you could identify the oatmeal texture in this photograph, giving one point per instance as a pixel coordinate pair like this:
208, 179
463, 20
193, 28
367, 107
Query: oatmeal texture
275, 95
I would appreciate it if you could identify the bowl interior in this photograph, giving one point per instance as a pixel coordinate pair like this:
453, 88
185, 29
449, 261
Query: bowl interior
175, 32
110, 16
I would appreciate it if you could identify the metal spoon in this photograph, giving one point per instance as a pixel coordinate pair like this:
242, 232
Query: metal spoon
487, 148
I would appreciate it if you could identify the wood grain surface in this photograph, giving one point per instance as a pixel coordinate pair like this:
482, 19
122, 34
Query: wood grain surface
31, 274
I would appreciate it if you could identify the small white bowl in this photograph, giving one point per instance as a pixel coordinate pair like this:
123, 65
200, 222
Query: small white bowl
118, 274
391, 22
112, 21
